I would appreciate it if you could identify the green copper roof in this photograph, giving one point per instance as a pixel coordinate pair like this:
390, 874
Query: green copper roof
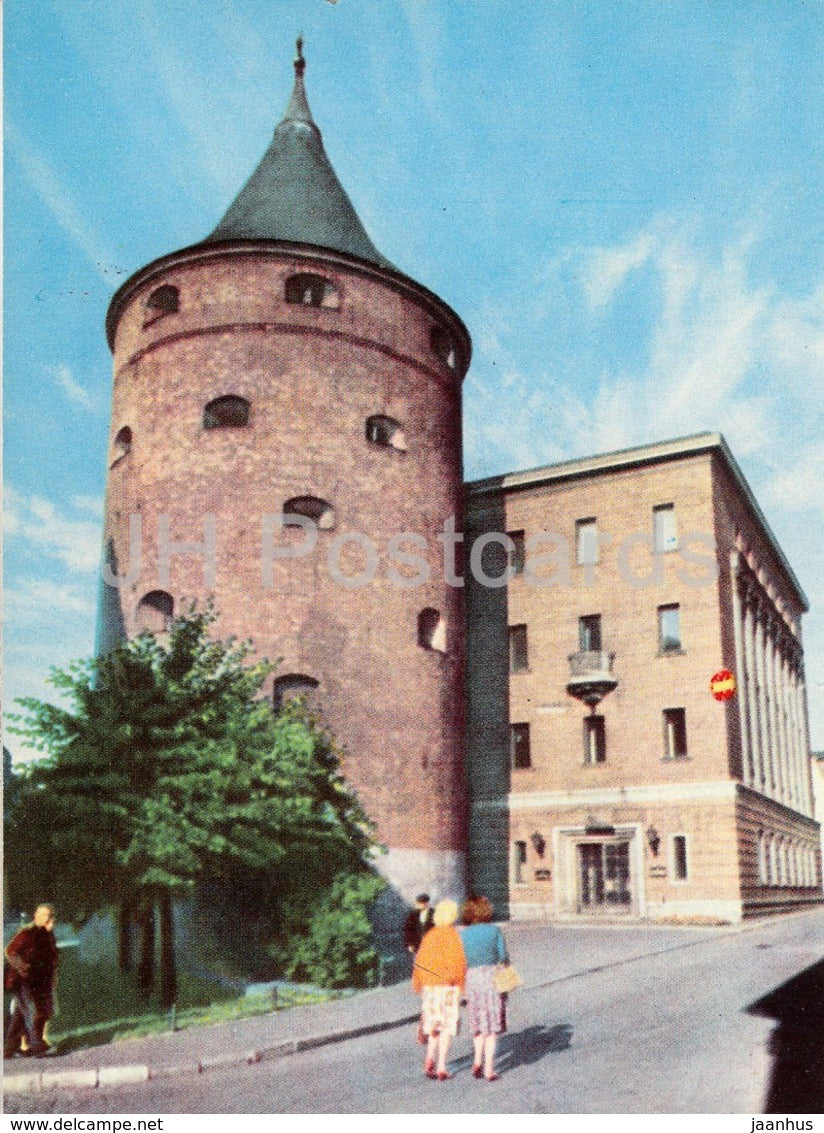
294, 194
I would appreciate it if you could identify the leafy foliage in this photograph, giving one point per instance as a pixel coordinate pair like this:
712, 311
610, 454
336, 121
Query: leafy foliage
335, 949
166, 770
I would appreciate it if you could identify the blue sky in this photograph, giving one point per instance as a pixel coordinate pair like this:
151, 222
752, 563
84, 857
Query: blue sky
622, 199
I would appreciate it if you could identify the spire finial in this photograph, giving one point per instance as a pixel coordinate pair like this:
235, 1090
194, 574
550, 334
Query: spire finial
300, 62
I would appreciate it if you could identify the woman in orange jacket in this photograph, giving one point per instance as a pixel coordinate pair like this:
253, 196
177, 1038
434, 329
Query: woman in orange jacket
438, 976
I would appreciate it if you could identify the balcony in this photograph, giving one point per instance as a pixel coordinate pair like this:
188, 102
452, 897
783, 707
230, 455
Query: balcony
590, 676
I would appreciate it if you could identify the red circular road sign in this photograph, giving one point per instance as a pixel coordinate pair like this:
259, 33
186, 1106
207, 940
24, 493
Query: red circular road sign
722, 685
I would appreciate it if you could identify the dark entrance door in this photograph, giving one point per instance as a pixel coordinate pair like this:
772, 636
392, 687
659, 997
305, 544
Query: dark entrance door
603, 877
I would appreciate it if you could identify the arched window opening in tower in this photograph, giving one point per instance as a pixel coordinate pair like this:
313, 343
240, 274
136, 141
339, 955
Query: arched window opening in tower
444, 347
155, 611
163, 300
294, 686
122, 445
319, 511
385, 431
312, 291
431, 630
228, 412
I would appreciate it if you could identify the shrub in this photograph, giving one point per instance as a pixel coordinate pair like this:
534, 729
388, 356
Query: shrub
335, 947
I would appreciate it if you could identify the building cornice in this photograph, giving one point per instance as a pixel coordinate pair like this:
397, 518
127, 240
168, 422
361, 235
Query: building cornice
641, 456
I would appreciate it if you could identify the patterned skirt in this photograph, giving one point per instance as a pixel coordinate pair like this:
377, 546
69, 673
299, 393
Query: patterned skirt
439, 1010
485, 1007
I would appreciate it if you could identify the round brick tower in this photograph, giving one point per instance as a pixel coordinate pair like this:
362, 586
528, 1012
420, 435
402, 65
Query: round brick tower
286, 406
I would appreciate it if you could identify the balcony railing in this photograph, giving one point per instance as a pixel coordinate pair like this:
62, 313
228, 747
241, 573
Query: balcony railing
590, 676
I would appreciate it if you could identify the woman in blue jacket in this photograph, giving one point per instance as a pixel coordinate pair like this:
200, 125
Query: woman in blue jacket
484, 947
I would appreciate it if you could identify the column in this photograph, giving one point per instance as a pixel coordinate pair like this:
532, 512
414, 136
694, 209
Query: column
763, 701
774, 685
753, 713
747, 772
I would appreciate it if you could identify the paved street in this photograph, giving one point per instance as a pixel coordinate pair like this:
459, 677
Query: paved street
651, 1021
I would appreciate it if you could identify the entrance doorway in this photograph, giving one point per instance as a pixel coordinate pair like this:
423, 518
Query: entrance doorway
603, 877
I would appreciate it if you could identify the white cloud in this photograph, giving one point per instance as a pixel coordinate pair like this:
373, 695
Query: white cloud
73, 390
92, 504
57, 199
38, 595
606, 269
73, 542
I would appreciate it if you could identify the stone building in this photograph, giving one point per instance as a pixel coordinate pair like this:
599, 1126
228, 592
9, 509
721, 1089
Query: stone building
286, 410
285, 403
604, 776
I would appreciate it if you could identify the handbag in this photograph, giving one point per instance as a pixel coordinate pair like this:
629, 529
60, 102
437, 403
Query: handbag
505, 978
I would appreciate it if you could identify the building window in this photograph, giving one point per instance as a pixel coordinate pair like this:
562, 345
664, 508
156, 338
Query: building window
155, 611
519, 862
431, 630
228, 412
162, 301
669, 629
294, 686
589, 633
772, 860
518, 652
385, 431
675, 733
311, 291
763, 875
586, 541
519, 746
680, 867
319, 511
517, 552
595, 740
665, 536
442, 344
122, 445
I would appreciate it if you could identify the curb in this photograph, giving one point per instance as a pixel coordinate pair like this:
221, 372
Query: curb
134, 1073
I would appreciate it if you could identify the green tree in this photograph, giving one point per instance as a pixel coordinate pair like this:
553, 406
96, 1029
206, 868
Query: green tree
166, 769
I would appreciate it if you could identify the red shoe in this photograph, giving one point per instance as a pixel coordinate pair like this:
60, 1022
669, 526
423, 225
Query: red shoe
444, 1075
429, 1070
492, 1077
477, 1071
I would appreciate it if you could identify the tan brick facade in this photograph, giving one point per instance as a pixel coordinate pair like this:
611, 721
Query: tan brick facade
664, 819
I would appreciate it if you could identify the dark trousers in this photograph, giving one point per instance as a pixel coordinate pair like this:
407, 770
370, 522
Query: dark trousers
29, 1016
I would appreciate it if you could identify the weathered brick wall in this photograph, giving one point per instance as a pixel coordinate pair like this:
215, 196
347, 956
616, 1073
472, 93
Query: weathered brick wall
312, 376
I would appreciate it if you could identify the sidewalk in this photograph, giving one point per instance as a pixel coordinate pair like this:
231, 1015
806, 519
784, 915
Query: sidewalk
543, 953
198, 1049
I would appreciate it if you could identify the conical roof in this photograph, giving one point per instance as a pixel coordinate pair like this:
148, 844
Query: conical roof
294, 194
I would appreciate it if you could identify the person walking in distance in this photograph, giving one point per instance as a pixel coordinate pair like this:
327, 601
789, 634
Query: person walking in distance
484, 947
438, 977
30, 974
418, 921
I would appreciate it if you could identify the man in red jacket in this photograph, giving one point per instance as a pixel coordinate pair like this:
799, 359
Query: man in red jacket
30, 973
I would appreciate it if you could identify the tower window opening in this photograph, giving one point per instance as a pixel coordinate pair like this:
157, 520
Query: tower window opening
155, 611
385, 431
519, 862
162, 301
319, 511
122, 445
311, 291
294, 686
441, 342
431, 630
228, 412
